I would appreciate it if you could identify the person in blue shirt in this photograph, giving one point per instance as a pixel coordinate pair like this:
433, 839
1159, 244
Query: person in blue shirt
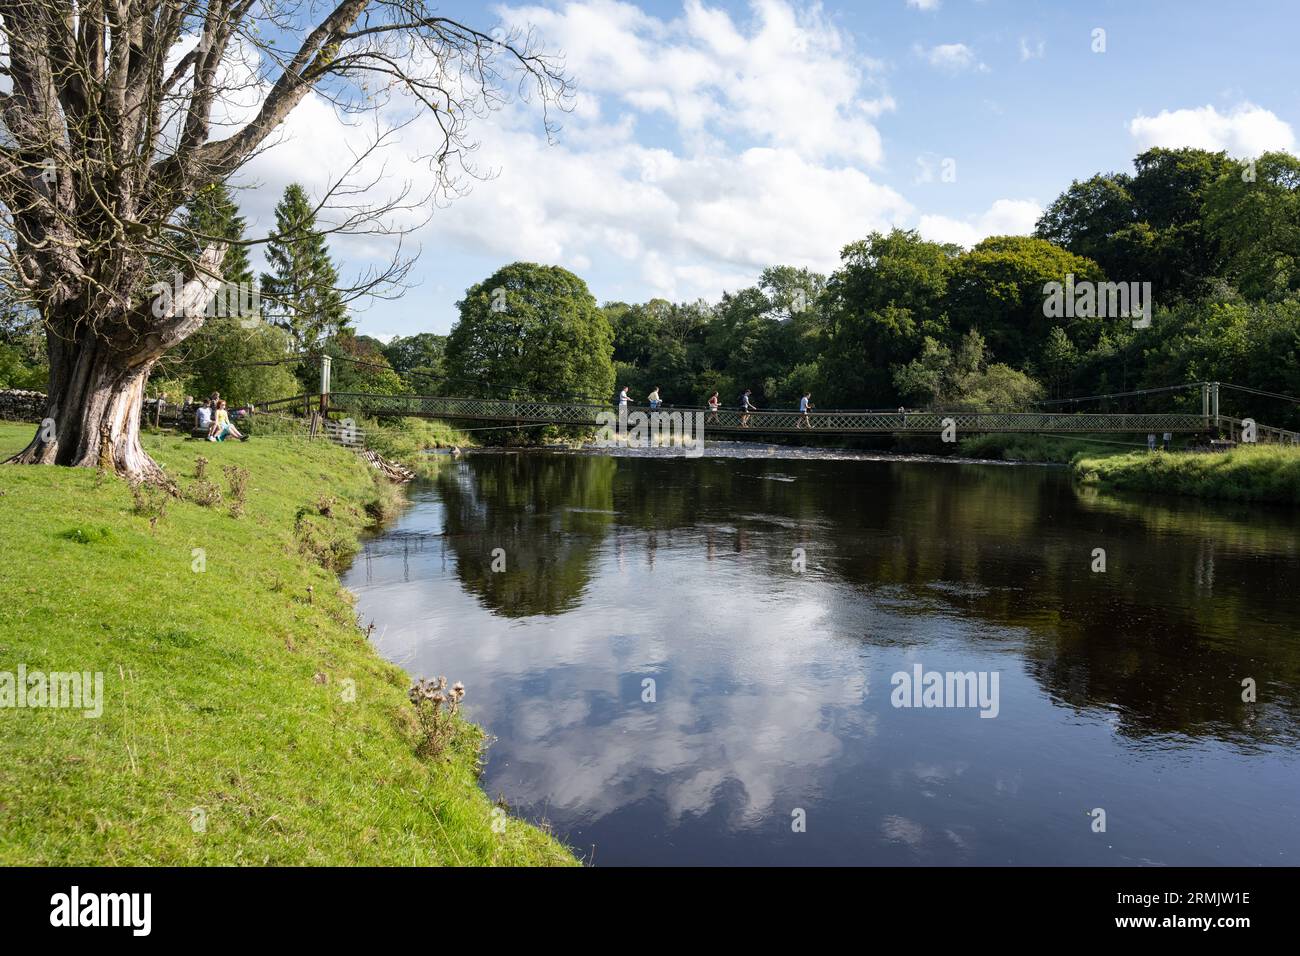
746, 406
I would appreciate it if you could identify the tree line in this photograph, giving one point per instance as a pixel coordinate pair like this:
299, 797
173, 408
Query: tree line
903, 321
909, 322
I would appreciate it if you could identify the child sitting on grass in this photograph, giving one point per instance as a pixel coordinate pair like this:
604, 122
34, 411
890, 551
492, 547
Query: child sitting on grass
222, 426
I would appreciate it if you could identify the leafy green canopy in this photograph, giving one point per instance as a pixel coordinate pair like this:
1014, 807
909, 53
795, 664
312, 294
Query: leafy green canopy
901, 321
220, 356
418, 359
532, 331
359, 365
1149, 226
1254, 218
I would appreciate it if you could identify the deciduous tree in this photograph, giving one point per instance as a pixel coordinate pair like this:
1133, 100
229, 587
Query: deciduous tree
532, 331
117, 114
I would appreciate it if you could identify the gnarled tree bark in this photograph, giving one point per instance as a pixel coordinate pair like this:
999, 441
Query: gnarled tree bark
92, 419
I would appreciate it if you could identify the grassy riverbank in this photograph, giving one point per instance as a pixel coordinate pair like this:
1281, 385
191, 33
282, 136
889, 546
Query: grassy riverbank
246, 719
1048, 449
1262, 473
405, 439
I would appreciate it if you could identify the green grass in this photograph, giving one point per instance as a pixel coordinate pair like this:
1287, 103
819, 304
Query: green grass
1052, 449
1261, 473
406, 439
225, 690
14, 437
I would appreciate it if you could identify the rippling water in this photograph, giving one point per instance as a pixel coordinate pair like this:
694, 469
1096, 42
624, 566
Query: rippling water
1118, 691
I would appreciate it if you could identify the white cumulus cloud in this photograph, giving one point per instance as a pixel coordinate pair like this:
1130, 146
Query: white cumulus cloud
786, 77
773, 117
1006, 217
1246, 130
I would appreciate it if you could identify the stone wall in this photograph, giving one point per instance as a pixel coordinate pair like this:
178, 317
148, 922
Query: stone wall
19, 405
23, 406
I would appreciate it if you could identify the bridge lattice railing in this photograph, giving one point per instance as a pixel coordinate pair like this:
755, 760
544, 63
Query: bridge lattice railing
566, 413
837, 421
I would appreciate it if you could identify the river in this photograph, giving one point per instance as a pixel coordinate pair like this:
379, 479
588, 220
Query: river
693, 661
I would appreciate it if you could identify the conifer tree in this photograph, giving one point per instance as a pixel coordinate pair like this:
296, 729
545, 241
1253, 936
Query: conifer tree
300, 292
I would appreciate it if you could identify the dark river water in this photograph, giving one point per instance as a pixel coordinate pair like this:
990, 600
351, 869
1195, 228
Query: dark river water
670, 679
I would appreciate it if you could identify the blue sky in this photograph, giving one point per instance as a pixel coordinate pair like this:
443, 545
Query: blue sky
712, 138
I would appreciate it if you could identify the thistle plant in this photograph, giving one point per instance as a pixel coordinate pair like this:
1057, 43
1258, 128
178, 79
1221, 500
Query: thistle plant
149, 501
436, 706
237, 479
205, 493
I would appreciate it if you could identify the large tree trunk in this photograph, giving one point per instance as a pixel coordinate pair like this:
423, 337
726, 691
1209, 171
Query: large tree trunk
98, 369
92, 419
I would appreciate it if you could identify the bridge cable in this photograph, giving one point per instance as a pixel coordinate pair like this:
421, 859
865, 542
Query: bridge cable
1140, 391
1259, 391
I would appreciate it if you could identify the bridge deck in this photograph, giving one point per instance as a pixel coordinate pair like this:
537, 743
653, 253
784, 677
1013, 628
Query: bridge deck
728, 420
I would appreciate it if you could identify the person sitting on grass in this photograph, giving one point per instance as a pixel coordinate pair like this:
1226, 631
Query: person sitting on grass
223, 427
203, 418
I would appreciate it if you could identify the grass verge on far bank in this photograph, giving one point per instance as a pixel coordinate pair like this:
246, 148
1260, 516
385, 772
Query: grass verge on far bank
245, 717
1050, 449
1261, 473
404, 439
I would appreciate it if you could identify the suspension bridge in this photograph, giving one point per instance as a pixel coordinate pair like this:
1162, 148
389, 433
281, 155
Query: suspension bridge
506, 412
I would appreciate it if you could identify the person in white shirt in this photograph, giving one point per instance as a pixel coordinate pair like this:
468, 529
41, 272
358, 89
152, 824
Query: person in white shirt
804, 405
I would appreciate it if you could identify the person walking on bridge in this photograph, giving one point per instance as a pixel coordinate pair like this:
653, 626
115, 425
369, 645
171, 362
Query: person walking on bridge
714, 404
654, 398
804, 405
746, 407
622, 398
